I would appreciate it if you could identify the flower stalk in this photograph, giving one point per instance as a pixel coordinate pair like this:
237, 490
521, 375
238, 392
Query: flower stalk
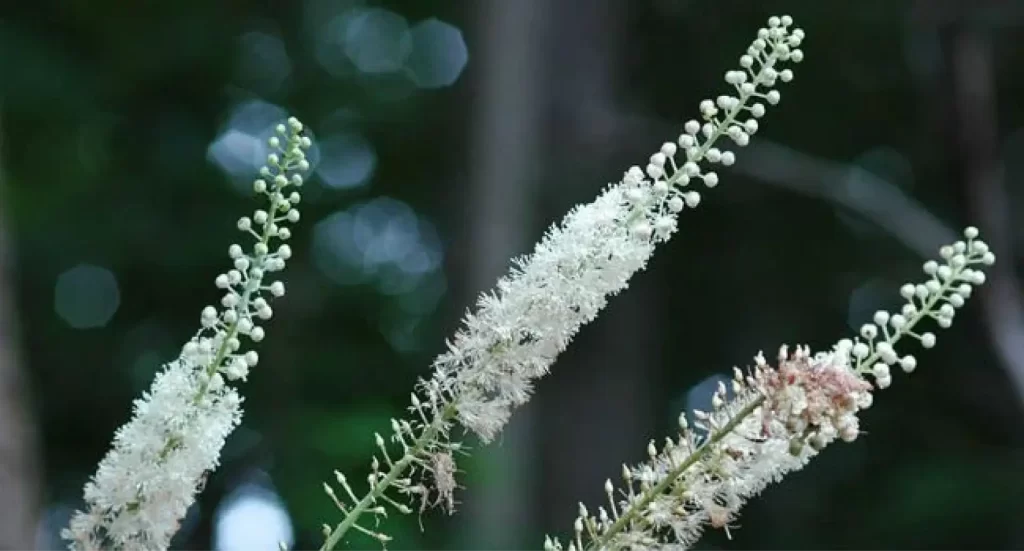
161, 457
774, 420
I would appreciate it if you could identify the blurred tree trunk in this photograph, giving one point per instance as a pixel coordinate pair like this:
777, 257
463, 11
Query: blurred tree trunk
505, 166
964, 112
19, 457
975, 134
541, 93
596, 406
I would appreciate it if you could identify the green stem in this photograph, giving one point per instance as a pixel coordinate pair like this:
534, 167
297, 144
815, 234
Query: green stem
639, 506
232, 329
427, 437
258, 261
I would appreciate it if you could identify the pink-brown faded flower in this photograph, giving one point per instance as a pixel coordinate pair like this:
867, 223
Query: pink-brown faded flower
808, 395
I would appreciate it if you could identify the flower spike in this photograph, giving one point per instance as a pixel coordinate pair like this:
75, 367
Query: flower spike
777, 418
518, 330
159, 460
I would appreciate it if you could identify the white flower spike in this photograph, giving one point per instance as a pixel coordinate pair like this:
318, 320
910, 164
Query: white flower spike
778, 418
147, 482
518, 330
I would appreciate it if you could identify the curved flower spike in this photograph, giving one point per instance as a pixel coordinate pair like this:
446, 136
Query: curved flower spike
773, 420
518, 330
161, 458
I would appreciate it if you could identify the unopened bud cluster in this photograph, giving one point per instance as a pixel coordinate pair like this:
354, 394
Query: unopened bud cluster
147, 482
772, 420
661, 190
245, 304
951, 282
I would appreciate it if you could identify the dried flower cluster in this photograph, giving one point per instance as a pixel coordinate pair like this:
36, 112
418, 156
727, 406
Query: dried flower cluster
518, 330
772, 420
159, 460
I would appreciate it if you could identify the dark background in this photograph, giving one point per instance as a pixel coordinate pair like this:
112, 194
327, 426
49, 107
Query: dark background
450, 134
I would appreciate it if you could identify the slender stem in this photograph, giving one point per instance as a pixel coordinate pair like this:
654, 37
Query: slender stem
232, 329
422, 442
637, 507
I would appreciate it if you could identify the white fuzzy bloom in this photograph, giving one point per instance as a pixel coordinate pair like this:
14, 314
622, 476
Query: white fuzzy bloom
780, 418
147, 482
160, 458
517, 332
519, 329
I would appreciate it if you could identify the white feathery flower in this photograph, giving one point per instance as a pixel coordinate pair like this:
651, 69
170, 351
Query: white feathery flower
516, 333
161, 457
143, 488
517, 330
